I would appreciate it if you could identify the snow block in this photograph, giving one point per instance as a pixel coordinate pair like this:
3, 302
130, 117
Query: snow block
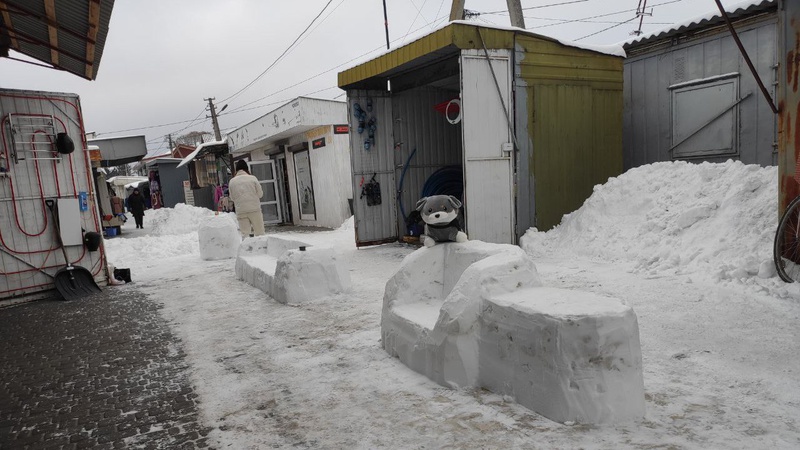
305, 275
219, 238
278, 267
475, 314
571, 356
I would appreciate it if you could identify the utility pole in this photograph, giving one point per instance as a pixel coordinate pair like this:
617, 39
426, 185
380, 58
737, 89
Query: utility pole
213, 110
457, 10
171, 145
640, 13
515, 13
386, 24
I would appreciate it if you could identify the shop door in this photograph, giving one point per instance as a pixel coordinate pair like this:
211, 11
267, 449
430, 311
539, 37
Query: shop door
488, 152
374, 186
266, 174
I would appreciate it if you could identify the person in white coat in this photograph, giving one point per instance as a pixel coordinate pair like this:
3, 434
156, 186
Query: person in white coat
245, 191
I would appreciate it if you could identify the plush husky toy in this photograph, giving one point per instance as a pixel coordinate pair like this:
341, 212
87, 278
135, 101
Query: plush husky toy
440, 214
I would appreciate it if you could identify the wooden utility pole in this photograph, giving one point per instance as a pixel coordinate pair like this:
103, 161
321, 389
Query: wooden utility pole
515, 13
457, 10
213, 110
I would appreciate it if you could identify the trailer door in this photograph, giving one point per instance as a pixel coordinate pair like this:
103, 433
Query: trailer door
374, 203
488, 152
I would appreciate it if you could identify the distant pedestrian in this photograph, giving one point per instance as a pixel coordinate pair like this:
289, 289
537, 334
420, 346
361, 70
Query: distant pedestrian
245, 191
136, 204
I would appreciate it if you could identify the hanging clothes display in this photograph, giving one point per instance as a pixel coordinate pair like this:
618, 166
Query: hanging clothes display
156, 200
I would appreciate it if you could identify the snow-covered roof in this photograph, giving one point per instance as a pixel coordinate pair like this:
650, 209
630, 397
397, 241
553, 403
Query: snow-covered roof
135, 184
613, 49
199, 148
712, 17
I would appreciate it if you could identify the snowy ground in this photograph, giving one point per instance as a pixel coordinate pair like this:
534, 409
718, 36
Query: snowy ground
687, 246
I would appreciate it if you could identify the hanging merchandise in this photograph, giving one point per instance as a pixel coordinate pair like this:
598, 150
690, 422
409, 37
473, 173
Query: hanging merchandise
363, 124
372, 191
361, 116
371, 127
156, 201
451, 110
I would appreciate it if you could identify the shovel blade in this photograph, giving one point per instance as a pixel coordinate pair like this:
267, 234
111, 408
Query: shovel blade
74, 282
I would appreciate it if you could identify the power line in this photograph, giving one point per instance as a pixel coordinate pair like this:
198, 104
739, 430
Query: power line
236, 111
147, 127
279, 57
606, 22
605, 29
437, 13
539, 7
419, 11
435, 21
321, 22
240, 108
603, 15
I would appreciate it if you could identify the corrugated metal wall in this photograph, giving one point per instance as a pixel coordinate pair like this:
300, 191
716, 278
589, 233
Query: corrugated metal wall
648, 100
26, 225
569, 128
172, 179
373, 223
417, 125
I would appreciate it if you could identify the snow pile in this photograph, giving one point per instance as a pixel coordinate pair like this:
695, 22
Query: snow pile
675, 218
146, 252
219, 238
181, 219
348, 224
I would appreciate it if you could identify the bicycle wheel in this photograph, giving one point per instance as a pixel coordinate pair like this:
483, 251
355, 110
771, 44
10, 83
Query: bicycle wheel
786, 251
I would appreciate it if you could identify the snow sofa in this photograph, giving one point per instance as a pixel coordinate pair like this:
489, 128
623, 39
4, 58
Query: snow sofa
290, 271
476, 314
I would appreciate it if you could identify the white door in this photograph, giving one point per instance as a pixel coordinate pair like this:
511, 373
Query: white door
266, 174
488, 152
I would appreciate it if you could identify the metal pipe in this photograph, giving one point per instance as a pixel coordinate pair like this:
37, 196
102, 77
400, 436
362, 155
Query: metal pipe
746, 57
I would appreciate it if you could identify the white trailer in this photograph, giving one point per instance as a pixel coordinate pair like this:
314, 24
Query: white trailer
34, 168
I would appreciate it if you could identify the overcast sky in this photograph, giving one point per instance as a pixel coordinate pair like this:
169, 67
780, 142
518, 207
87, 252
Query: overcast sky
162, 58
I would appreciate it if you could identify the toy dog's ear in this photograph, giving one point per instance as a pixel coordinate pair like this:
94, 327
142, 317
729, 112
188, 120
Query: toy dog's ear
421, 203
454, 202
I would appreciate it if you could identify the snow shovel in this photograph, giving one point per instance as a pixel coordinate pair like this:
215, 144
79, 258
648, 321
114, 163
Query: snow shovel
72, 282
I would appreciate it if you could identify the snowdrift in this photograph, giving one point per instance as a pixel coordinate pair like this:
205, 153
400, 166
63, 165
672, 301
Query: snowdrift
674, 218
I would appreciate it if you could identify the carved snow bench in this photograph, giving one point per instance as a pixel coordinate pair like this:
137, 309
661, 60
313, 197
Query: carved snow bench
475, 314
291, 271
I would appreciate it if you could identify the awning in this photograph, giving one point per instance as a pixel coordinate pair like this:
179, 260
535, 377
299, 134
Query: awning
205, 148
67, 34
120, 150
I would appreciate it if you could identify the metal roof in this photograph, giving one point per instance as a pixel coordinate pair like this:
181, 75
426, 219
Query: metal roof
67, 34
442, 44
737, 11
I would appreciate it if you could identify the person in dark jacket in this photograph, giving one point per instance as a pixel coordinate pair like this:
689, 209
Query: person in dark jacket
136, 206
